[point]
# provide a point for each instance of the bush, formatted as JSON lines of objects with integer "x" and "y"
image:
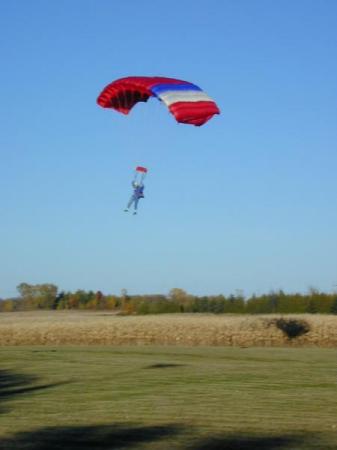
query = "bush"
{"x": 292, "y": 328}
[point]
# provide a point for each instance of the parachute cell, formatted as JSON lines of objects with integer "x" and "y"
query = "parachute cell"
{"x": 186, "y": 101}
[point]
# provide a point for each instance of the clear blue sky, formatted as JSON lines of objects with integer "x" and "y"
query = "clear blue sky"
{"x": 248, "y": 201}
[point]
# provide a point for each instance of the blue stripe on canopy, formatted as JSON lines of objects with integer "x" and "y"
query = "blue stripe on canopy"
{"x": 159, "y": 88}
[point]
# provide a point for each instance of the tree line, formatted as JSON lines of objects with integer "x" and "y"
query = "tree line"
{"x": 48, "y": 297}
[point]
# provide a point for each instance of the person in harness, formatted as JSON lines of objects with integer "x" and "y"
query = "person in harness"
{"x": 138, "y": 193}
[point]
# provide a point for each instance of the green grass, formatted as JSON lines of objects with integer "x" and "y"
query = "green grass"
{"x": 167, "y": 398}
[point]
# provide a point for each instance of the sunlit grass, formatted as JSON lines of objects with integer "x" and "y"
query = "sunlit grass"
{"x": 168, "y": 397}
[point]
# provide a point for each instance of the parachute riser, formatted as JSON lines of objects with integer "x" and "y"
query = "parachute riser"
{"x": 139, "y": 176}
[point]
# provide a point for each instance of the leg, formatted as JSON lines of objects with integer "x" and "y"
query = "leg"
{"x": 135, "y": 206}
{"x": 132, "y": 199}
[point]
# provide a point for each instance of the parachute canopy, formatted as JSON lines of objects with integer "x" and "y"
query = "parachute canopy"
{"x": 186, "y": 101}
{"x": 141, "y": 169}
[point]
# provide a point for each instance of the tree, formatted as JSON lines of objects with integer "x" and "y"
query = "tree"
{"x": 177, "y": 295}
{"x": 99, "y": 296}
{"x": 334, "y": 307}
{"x": 7, "y": 305}
{"x": 182, "y": 298}
{"x": 59, "y": 300}
{"x": 38, "y": 295}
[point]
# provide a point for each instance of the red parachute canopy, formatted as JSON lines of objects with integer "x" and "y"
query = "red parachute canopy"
{"x": 186, "y": 101}
{"x": 141, "y": 169}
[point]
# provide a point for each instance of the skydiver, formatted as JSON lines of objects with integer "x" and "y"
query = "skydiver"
{"x": 138, "y": 193}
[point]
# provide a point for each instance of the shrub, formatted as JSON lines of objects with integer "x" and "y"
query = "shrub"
{"x": 292, "y": 328}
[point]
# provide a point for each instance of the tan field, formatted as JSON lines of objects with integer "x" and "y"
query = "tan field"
{"x": 93, "y": 328}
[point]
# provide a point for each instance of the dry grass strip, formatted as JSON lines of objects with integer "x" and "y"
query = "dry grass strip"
{"x": 92, "y": 328}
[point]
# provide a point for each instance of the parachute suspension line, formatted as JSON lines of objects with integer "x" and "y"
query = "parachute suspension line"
{"x": 139, "y": 177}
{"x": 140, "y": 174}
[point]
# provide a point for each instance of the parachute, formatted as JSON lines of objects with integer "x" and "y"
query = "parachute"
{"x": 138, "y": 188}
{"x": 186, "y": 101}
{"x": 140, "y": 174}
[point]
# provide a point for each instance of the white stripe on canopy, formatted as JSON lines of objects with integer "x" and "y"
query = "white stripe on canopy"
{"x": 184, "y": 96}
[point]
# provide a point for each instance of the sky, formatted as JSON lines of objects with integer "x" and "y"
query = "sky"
{"x": 246, "y": 202}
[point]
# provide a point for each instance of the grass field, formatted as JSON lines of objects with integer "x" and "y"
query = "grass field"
{"x": 156, "y": 398}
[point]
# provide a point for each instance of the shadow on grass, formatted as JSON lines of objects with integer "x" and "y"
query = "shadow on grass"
{"x": 90, "y": 437}
{"x": 166, "y": 437}
{"x": 164, "y": 366}
{"x": 13, "y": 384}
{"x": 249, "y": 443}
